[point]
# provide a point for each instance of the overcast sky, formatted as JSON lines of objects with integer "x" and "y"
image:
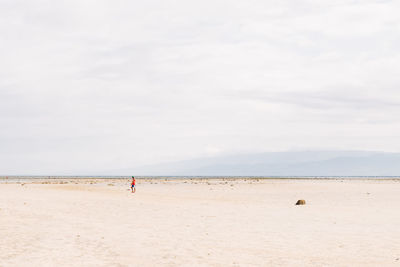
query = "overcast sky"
{"x": 100, "y": 85}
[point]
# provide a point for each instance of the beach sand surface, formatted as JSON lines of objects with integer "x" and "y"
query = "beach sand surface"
{"x": 194, "y": 222}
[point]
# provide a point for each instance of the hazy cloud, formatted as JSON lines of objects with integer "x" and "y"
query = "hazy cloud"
{"x": 92, "y": 85}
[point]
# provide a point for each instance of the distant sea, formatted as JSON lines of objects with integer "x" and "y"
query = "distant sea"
{"x": 17, "y": 178}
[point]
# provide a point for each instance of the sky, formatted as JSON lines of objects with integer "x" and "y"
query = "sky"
{"x": 103, "y": 85}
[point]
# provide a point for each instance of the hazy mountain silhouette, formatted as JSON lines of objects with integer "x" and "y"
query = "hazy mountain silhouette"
{"x": 304, "y": 163}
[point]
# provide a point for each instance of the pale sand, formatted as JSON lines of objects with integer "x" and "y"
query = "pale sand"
{"x": 201, "y": 223}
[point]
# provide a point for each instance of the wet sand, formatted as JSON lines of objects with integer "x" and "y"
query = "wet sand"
{"x": 248, "y": 222}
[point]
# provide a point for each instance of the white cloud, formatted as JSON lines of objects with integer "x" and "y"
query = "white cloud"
{"x": 93, "y": 85}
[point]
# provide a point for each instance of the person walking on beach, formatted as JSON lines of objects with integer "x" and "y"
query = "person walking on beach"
{"x": 133, "y": 185}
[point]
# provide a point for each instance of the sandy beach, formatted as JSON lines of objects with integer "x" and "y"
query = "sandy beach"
{"x": 247, "y": 222}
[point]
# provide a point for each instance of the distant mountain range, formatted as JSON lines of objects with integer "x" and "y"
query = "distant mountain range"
{"x": 304, "y": 163}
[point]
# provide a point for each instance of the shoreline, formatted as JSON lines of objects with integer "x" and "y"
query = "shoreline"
{"x": 176, "y": 179}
